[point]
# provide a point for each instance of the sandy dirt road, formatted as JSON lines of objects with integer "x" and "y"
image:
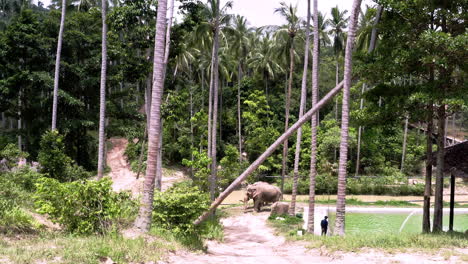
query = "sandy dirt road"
{"x": 124, "y": 179}
{"x": 249, "y": 240}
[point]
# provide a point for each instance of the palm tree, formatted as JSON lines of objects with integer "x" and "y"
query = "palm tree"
{"x": 338, "y": 23}
{"x": 159, "y": 164}
{"x": 102, "y": 107}
{"x": 313, "y": 147}
{"x": 262, "y": 59}
{"x": 370, "y": 48}
{"x": 57, "y": 66}
{"x": 301, "y": 113}
{"x": 291, "y": 29}
{"x": 324, "y": 38}
{"x": 143, "y": 221}
{"x": 217, "y": 17}
{"x": 340, "y": 201}
{"x": 241, "y": 45}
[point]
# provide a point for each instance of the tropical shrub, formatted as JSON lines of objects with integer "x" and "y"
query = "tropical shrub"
{"x": 83, "y": 207}
{"x": 177, "y": 208}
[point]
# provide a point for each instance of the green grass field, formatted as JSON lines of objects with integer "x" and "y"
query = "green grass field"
{"x": 357, "y": 223}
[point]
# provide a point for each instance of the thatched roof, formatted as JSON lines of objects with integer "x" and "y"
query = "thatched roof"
{"x": 456, "y": 160}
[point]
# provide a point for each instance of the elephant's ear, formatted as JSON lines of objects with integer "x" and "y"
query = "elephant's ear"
{"x": 255, "y": 193}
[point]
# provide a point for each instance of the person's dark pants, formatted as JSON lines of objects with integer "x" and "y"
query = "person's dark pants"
{"x": 324, "y": 231}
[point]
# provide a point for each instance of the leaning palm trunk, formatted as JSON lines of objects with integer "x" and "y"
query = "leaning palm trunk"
{"x": 313, "y": 146}
{"x": 267, "y": 153}
{"x": 439, "y": 187}
{"x": 102, "y": 107}
{"x": 57, "y": 66}
{"x": 340, "y": 201}
{"x": 286, "y": 121}
{"x": 292, "y": 207}
{"x": 143, "y": 221}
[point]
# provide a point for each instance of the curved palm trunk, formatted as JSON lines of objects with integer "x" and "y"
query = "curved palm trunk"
{"x": 268, "y": 152}
{"x": 313, "y": 147}
{"x": 292, "y": 207}
{"x": 102, "y": 107}
{"x": 286, "y": 121}
{"x": 143, "y": 221}
{"x": 57, "y": 66}
{"x": 340, "y": 201}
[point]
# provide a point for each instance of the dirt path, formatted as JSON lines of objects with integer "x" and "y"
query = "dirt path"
{"x": 247, "y": 239}
{"x": 121, "y": 174}
{"x": 124, "y": 178}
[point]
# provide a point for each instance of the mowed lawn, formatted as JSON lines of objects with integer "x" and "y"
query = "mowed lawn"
{"x": 359, "y": 223}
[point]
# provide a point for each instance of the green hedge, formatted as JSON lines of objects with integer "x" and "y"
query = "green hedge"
{"x": 372, "y": 186}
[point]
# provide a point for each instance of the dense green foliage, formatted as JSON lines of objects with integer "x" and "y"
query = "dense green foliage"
{"x": 54, "y": 162}
{"x": 82, "y": 207}
{"x": 177, "y": 208}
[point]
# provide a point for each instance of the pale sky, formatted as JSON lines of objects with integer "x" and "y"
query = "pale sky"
{"x": 261, "y": 12}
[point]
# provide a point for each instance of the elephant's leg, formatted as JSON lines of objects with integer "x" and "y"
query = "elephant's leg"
{"x": 257, "y": 204}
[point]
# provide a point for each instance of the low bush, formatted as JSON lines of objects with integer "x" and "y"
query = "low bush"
{"x": 177, "y": 208}
{"x": 15, "y": 219}
{"x": 82, "y": 207}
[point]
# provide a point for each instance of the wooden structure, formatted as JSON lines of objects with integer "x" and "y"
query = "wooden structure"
{"x": 456, "y": 164}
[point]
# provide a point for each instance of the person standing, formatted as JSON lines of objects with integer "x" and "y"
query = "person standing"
{"x": 324, "y": 225}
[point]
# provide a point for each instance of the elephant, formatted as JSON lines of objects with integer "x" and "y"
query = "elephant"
{"x": 265, "y": 193}
{"x": 250, "y": 192}
{"x": 279, "y": 208}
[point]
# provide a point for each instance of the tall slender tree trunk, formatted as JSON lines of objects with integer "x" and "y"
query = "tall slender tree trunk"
{"x": 439, "y": 187}
{"x": 159, "y": 165}
{"x": 284, "y": 163}
{"x": 426, "y": 224}
{"x": 102, "y": 106}
{"x": 403, "y": 149}
{"x": 143, "y": 221}
{"x": 313, "y": 147}
{"x": 20, "y": 119}
{"x": 292, "y": 207}
{"x": 215, "y": 108}
{"x": 337, "y": 79}
{"x": 358, "y": 155}
{"x": 239, "y": 124}
{"x": 371, "y": 48}
{"x": 268, "y": 152}
{"x": 340, "y": 201}
{"x": 57, "y": 66}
